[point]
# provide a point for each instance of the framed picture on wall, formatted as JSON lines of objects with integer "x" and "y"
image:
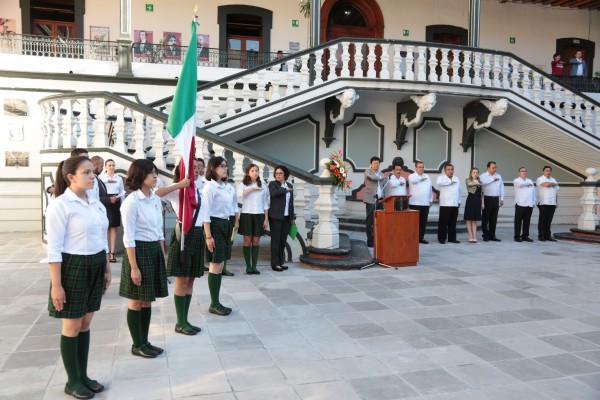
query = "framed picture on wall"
{"x": 16, "y": 159}
{"x": 143, "y": 43}
{"x": 203, "y": 43}
{"x": 8, "y": 26}
{"x": 16, "y": 132}
{"x": 15, "y": 108}
{"x": 172, "y": 41}
{"x": 100, "y": 33}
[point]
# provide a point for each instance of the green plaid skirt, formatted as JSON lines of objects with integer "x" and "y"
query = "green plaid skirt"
{"x": 82, "y": 278}
{"x": 252, "y": 224}
{"x": 220, "y": 229}
{"x": 151, "y": 263}
{"x": 193, "y": 263}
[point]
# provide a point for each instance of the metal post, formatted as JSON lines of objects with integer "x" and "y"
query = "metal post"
{"x": 474, "y": 19}
{"x": 315, "y": 23}
{"x": 125, "y": 40}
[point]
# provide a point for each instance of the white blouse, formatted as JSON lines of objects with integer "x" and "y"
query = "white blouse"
{"x": 255, "y": 202}
{"x": 233, "y": 205}
{"x": 75, "y": 227}
{"x": 114, "y": 185}
{"x": 173, "y": 197}
{"x": 142, "y": 218}
{"x": 218, "y": 200}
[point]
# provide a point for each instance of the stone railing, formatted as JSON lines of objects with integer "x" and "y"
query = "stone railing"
{"x": 31, "y": 45}
{"x": 448, "y": 67}
{"x": 588, "y": 220}
{"x": 106, "y": 122}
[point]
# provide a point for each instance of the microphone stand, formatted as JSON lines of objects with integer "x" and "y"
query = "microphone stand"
{"x": 375, "y": 261}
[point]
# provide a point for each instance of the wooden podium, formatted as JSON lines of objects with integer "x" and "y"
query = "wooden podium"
{"x": 396, "y": 233}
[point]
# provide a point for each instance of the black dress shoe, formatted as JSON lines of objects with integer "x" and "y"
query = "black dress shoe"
{"x": 518, "y": 240}
{"x": 277, "y": 268}
{"x": 255, "y": 272}
{"x": 526, "y": 239}
{"x": 284, "y": 267}
{"x": 227, "y": 273}
{"x": 486, "y": 239}
{"x": 82, "y": 393}
{"x": 157, "y": 350}
{"x": 185, "y": 330}
{"x": 442, "y": 241}
{"x": 551, "y": 239}
{"x": 541, "y": 239}
{"x": 495, "y": 239}
{"x": 423, "y": 241}
{"x": 454, "y": 241}
{"x": 195, "y": 328}
{"x": 94, "y": 386}
{"x": 219, "y": 311}
{"x": 143, "y": 351}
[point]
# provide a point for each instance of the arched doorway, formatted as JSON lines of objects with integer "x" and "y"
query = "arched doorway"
{"x": 352, "y": 18}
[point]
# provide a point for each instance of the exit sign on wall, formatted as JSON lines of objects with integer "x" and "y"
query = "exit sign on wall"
{"x": 150, "y": 7}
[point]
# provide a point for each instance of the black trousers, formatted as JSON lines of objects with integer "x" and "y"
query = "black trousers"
{"x": 545, "y": 220}
{"x": 279, "y": 231}
{"x": 447, "y": 223}
{"x": 423, "y": 214}
{"x": 489, "y": 216}
{"x": 522, "y": 218}
{"x": 370, "y": 219}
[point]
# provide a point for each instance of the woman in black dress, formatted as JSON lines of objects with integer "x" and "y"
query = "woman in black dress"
{"x": 474, "y": 204}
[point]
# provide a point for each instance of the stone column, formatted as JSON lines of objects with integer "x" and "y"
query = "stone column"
{"x": 326, "y": 233}
{"x": 125, "y": 41}
{"x": 588, "y": 220}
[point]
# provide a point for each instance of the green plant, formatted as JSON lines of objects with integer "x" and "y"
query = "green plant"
{"x": 305, "y": 8}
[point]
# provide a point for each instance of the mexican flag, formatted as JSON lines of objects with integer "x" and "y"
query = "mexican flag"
{"x": 181, "y": 125}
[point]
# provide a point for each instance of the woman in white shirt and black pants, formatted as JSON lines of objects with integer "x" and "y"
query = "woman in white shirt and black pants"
{"x": 79, "y": 271}
{"x": 189, "y": 268}
{"x": 143, "y": 275}
{"x": 217, "y": 229}
{"x": 254, "y": 218}
{"x": 116, "y": 194}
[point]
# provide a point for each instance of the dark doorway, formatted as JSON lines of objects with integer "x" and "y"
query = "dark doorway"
{"x": 567, "y": 47}
{"x": 447, "y": 34}
{"x": 53, "y": 18}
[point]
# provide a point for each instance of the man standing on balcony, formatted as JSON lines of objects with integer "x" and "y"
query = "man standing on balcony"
{"x": 547, "y": 188}
{"x": 578, "y": 69}
{"x": 373, "y": 192}
{"x": 421, "y": 197}
{"x": 493, "y": 199}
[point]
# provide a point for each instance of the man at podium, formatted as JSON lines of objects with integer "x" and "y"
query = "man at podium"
{"x": 395, "y": 184}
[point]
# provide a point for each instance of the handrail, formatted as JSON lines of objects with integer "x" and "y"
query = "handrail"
{"x": 203, "y": 133}
{"x": 327, "y": 45}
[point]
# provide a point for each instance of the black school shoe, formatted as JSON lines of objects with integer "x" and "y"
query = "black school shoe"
{"x": 94, "y": 386}
{"x": 185, "y": 330}
{"x": 227, "y": 273}
{"x": 223, "y": 311}
{"x": 154, "y": 348}
{"x": 277, "y": 268}
{"x": 83, "y": 393}
{"x": 144, "y": 351}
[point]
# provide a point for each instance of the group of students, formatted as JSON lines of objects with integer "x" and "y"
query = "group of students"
{"x": 485, "y": 196}
{"x": 79, "y": 257}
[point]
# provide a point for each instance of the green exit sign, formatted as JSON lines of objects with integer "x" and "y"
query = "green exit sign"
{"x": 150, "y": 7}
{"x": 512, "y": 40}
{"x": 405, "y": 32}
{"x": 295, "y": 23}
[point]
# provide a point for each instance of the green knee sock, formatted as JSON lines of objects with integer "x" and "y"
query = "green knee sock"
{"x": 214, "y": 285}
{"x": 188, "y": 302}
{"x": 69, "y": 347}
{"x": 180, "y": 309}
{"x": 254, "y": 257}
{"x": 247, "y": 250}
{"x": 224, "y": 267}
{"x": 146, "y": 316}
{"x": 134, "y": 319}
{"x": 83, "y": 350}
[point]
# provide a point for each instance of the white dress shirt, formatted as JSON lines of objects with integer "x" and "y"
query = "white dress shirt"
{"x": 142, "y": 218}
{"x": 233, "y": 205}
{"x": 421, "y": 193}
{"x": 218, "y": 200}
{"x": 200, "y": 182}
{"x": 449, "y": 191}
{"x": 173, "y": 197}
{"x": 546, "y": 195}
{"x": 395, "y": 186}
{"x": 255, "y": 202}
{"x": 95, "y": 192}
{"x": 491, "y": 186}
{"x": 75, "y": 227}
{"x": 114, "y": 185}
{"x": 524, "y": 192}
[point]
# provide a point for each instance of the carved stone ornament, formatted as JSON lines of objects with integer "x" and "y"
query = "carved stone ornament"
{"x": 410, "y": 113}
{"x": 482, "y": 112}
{"x": 335, "y": 107}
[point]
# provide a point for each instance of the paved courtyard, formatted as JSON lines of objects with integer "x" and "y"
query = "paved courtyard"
{"x": 471, "y": 322}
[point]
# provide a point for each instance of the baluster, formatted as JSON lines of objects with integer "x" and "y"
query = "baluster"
{"x": 385, "y": 62}
{"x": 100, "y": 134}
{"x": 260, "y": 88}
{"x": 46, "y": 125}
{"x": 486, "y": 70}
{"x": 536, "y": 87}
{"x": 455, "y": 66}
{"x": 547, "y": 94}
{"x": 275, "y": 95}
{"x": 578, "y": 111}
{"x": 332, "y": 62}
{"x": 86, "y": 122}
{"x": 597, "y": 121}
{"x": 515, "y": 75}
{"x": 527, "y": 84}
{"x": 174, "y": 156}
{"x": 587, "y": 118}
{"x": 117, "y": 110}
{"x": 158, "y": 144}
{"x": 476, "y": 68}
{"x": 304, "y": 72}
{"x": 138, "y": 134}
{"x": 215, "y": 104}
{"x": 66, "y": 127}
{"x": 445, "y": 63}
{"x": 421, "y": 62}
{"x": 466, "y": 66}
{"x": 371, "y": 57}
{"x": 219, "y": 150}
{"x": 345, "y": 60}
{"x": 246, "y": 93}
{"x": 77, "y": 140}
{"x": 200, "y": 111}
{"x": 505, "y": 72}
{"x": 496, "y": 70}
{"x": 397, "y": 62}
{"x": 568, "y": 106}
{"x": 230, "y": 98}
{"x": 557, "y": 99}
{"x": 433, "y": 63}
{"x": 206, "y": 155}
{"x": 326, "y": 233}
{"x": 299, "y": 206}
{"x": 238, "y": 169}
{"x": 410, "y": 59}
{"x": 318, "y": 67}
{"x": 290, "y": 78}
{"x": 199, "y": 151}
{"x": 358, "y": 60}
{"x": 128, "y": 120}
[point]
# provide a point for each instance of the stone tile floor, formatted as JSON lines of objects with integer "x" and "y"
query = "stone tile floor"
{"x": 487, "y": 321}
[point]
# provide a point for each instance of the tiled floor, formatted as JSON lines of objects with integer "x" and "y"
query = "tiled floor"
{"x": 472, "y": 322}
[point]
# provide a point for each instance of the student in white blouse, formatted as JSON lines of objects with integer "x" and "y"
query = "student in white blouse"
{"x": 116, "y": 194}
{"x": 217, "y": 228}
{"x": 449, "y": 185}
{"x": 254, "y": 219}
{"x": 395, "y": 184}
{"x": 189, "y": 268}
{"x": 547, "y": 188}
{"x": 143, "y": 275}
{"x": 524, "y": 202}
{"x": 234, "y": 221}
{"x": 79, "y": 271}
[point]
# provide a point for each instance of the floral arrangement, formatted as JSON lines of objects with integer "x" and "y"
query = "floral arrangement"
{"x": 338, "y": 170}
